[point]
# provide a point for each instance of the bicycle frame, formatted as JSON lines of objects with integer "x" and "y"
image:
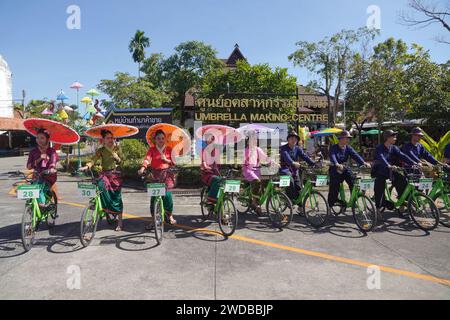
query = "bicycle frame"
{"x": 307, "y": 188}
{"x": 439, "y": 186}
{"x": 99, "y": 213}
{"x": 409, "y": 191}
{"x": 220, "y": 200}
{"x": 37, "y": 214}
{"x": 268, "y": 191}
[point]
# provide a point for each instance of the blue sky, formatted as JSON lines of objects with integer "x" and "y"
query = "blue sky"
{"x": 45, "y": 56}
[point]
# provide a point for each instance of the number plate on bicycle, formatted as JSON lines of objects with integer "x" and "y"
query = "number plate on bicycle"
{"x": 26, "y": 192}
{"x": 86, "y": 190}
{"x": 366, "y": 184}
{"x": 285, "y": 181}
{"x": 232, "y": 186}
{"x": 156, "y": 189}
{"x": 321, "y": 181}
{"x": 425, "y": 184}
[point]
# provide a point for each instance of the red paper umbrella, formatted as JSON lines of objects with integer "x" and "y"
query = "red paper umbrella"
{"x": 58, "y": 132}
{"x": 118, "y": 131}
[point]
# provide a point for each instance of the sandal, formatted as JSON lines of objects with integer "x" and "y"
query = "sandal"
{"x": 118, "y": 229}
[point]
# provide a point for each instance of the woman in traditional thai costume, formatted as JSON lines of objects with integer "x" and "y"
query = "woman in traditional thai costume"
{"x": 43, "y": 160}
{"x": 110, "y": 184}
{"x": 159, "y": 159}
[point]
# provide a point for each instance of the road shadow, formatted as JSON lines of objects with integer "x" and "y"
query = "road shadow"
{"x": 251, "y": 221}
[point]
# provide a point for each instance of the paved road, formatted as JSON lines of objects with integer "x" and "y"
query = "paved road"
{"x": 195, "y": 262}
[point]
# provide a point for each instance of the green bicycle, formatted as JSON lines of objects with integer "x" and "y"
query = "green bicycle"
{"x": 311, "y": 203}
{"x": 278, "y": 205}
{"x": 421, "y": 208}
{"x": 440, "y": 194}
{"x": 224, "y": 209}
{"x": 34, "y": 215}
{"x": 363, "y": 208}
{"x": 157, "y": 191}
{"x": 94, "y": 211}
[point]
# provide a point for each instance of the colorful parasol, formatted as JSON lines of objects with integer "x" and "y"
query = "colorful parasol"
{"x": 327, "y": 132}
{"x": 59, "y": 133}
{"x": 223, "y": 134}
{"x": 177, "y": 139}
{"x": 118, "y": 131}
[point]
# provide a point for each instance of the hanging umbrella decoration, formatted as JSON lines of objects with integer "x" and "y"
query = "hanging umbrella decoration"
{"x": 77, "y": 86}
{"x": 61, "y": 114}
{"x": 93, "y": 93}
{"x": 89, "y": 108}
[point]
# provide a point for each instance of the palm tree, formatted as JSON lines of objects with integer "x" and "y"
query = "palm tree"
{"x": 137, "y": 47}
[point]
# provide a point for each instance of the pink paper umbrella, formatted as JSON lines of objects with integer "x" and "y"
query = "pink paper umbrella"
{"x": 222, "y": 134}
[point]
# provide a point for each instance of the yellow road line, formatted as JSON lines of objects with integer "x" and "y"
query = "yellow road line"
{"x": 298, "y": 250}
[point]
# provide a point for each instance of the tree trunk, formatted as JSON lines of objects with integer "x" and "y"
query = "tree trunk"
{"x": 182, "y": 115}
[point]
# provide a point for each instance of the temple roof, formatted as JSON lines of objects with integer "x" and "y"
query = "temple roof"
{"x": 235, "y": 56}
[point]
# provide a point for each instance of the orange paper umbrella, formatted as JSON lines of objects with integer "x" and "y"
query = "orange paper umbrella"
{"x": 58, "y": 132}
{"x": 177, "y": 139}
{"x": 118, "y": 131}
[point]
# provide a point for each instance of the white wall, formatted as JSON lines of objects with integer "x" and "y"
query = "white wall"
{"x": 6, "y": 103}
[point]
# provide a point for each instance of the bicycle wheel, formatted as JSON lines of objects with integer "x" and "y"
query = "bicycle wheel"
{"x": 423, "y": 211}
{"x": 244, "y": 201}
{"x": 228, "y": 217}
{"x": 158, "y": 223}
{"x": 88, "y": 225}
{"x": 206, "y": 209}
{"x": 279, "y": 210}
{"x": 28, "y": 231}
{"x": 444, "y": 209}
{"x": 316, "y": 209}
{"x": 364, "y": 213}
{"x": 52, "y": 210}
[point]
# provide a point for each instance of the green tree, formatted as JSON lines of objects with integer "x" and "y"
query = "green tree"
{"x": 137, "y": 47}
{"x": 127, "y": 91}
{"x": 329, "y": 60}
{"x": 398, "y": 83}
{"x": 182, "y": 71}
{"x": 251, "y": 79}
{"x": 246, "y": 78}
